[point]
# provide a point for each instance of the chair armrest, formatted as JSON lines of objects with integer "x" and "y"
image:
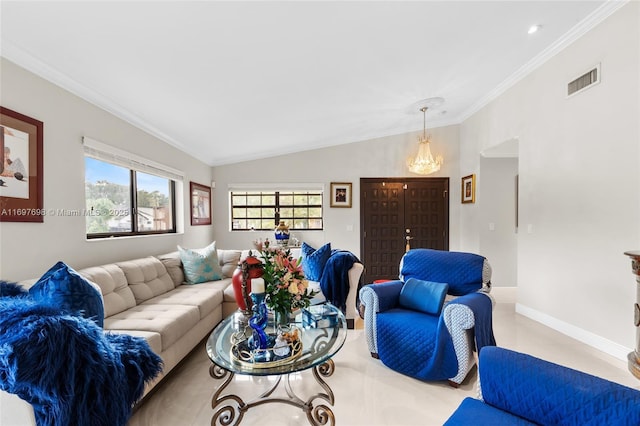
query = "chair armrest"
{"x": 377, "y": 298}
{"x": 460, "y": 320}
{"x": 384, "y": 296}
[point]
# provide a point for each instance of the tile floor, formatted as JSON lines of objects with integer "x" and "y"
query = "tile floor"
{"x": 368, "y": 393}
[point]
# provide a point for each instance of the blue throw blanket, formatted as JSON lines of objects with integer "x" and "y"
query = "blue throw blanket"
{"x": 480, "y": 304}
{"x": 334, "y": 282}
{"x": 67, "y": 367}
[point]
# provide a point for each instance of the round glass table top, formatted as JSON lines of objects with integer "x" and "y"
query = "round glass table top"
{"x": 322, "y": 330}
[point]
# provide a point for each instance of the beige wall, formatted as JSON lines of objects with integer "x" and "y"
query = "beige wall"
{"x": 29, "y": 249}
{"x": 383, "y": 157}
{"x": 498, "y": 238}
{"x": 579, "y": 173}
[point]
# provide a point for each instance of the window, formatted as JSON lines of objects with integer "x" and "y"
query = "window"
{"x": 262, "y": 210}
{"x": 123, "y": 197}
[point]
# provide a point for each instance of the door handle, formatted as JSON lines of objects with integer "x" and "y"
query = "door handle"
{"x": 407, "y": 246}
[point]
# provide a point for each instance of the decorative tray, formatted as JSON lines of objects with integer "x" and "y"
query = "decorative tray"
{"x": 272, "y": 356}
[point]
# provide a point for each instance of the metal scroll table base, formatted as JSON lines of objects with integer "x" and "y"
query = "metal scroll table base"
{"x": 232, "y": 408}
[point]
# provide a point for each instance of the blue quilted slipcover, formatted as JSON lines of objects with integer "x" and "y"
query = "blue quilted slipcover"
{"x": 534, "y": 391}
{"x": 462, "y": 271}
{"x": 416, "y": 344}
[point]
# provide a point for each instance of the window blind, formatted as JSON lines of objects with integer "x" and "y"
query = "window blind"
{"x": 119, "y": 157}
{"x": 289, "y": 186}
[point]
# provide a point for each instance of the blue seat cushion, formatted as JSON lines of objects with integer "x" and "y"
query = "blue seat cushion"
{"x": 415, "y": 344}
{"x": 423, "y": 296}
{"x": 473, "y": 412}
{"x": 63, "y": 288}
{"x": 313, "y": 261}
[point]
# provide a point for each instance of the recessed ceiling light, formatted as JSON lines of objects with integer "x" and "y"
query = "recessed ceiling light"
{"x": 534, "y": 28}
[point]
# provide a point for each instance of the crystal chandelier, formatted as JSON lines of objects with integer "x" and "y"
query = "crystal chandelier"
{"x": 423, "y": 163}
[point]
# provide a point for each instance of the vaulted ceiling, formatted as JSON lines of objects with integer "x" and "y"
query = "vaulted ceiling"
{"x": 233, "y": 81}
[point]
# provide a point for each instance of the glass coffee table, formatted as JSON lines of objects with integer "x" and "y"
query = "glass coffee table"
{"x": 319, "y": 344}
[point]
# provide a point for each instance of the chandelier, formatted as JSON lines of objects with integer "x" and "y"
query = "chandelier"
{"x": 423, "y": 163}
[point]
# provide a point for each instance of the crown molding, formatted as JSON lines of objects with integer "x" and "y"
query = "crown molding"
{"x": 580, "y": 29}
{"x": 22, "y": 58}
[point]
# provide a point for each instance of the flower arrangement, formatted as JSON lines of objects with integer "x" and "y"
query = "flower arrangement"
{"x": 286, "y": 286}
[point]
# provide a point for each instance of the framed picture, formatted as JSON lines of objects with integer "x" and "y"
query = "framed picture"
{"x": 469, "y": 189}
{"x": 340, "y": 194}
{"x": 21, "y": 162}
{"x": 200, "y": 204}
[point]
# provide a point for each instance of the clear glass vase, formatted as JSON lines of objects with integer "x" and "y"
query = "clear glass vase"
{"x": 281, "y": 318}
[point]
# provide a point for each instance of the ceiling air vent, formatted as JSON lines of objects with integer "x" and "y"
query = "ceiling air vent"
{"x": 585, "y": 81}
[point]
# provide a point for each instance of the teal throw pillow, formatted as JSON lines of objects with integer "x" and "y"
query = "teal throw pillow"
{"x": 423, "y": 296}
{"x": 313, "y": 260}
{"x": 63, "y": 288}
{"x": 201, "y": 265}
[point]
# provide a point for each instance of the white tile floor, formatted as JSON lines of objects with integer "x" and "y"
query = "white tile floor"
{"x": 368, "y": 393}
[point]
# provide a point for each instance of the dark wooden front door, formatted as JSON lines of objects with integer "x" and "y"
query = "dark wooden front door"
{"x": 395, "y": 212}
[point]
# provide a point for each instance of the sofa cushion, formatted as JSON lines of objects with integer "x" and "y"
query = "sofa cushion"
{"x": 200, "y": 265}
{"x": 423, "y": 296}
{"x": 113, "y": 284}
{"x": 206, "y": 296}
{"x": 153, "y": 339}
{"x": 170, "y": 321}
{"x": 313, "y": 260}
{"x": 147, "y": 277}
{"x": 173, "y": 264}
{"x": 62, "y": 287}
{"x": 229, "y": 260}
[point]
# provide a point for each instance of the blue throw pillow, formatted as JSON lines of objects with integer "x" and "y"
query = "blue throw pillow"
{"x": 423, "y": 296}
{"x": 201, "y": 265}
{"x": 63, "y": 288}
{"x": 313, "y": 260}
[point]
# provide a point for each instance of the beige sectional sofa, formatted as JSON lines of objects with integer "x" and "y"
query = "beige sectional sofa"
{"x": 146, "y": 297}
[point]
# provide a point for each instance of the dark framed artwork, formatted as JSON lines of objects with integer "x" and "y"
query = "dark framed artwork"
{"x": 200, "y": 204}
{"x": 21, "y": 179}
{"x": 340, "y": 194}
{"x": 468, "y": 189}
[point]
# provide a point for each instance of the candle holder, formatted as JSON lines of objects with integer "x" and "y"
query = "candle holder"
{"x": 258, "y": 322}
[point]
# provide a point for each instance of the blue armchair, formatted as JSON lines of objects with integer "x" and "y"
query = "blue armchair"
{"x": 412, "y": 329}
{"x": 519, "y": 389}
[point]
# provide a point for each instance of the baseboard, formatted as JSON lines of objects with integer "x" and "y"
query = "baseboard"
{"x": 598, "y": 342}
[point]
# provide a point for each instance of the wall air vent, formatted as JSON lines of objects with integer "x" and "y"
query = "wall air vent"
{"x": 585, "y": 81}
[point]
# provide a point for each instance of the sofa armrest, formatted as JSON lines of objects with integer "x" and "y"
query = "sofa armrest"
{"x": 15, "y": 411}
{"x": 377, "y": 298}
{"x": 354, "y": 282}
{"x": 547, "y": 393}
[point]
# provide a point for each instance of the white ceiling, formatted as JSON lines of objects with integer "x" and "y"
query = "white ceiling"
{"x": 233, "y": 81}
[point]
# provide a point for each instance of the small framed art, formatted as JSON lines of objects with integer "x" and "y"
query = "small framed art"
{"x": 200, "y": 204}
{"x": 468, "y": 189}
{"x": 340, "y": 194}
{"x": 21, "y": 181}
